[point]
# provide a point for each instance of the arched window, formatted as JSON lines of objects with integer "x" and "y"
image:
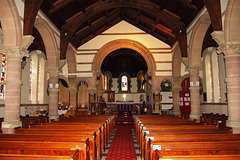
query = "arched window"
{"x": 107, "y": 81}
{"x": 124, "y": 82}
{"x": 212, "y": 76}
{"x": 37, "y": 77}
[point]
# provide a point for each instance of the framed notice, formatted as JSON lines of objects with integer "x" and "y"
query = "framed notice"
{"x": 111, "y": 96}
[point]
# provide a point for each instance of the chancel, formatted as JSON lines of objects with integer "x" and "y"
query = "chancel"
{"x": 119, "y": 79}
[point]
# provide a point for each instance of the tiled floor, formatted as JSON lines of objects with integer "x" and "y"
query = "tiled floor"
{"x": 136, "y": 146}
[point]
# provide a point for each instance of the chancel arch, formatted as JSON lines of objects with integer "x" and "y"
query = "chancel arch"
{"x": 123, "y": 43}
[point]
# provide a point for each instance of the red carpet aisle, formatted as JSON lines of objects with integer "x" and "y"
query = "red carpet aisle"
{"x": 122, "y": 147}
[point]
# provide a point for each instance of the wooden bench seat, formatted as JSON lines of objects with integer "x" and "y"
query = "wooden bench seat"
{"x": 178, "y": 137}
{"x": 46, "y": 148}
{"x": 55, "y": 138}
{"x": 75, "y": 156}
{"x": 195, "y": 148}
{"x": 197, "y": 157}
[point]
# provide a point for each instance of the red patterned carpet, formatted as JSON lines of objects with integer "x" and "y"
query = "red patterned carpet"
{"x": 122, "y": 147}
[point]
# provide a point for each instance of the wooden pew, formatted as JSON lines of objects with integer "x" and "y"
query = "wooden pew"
{"x": 54, "y": 138}
{"x": 46, "y": 148}
{"x": 195, "y": 148}
{"x": 70, "y": 131}
{"x": 187, "y": 138}
{"x": 167, "y": 129}
{"x": 197, "y": 157}
{"x": 74, "y": 156}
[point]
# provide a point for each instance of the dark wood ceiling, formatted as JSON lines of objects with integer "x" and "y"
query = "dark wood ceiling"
{"x": 81, "y": 20}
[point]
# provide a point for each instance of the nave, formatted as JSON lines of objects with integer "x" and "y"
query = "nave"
{"x": 113, "y": 137}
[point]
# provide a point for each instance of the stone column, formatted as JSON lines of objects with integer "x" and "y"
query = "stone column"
{"x": 176, "y": 109}
{"x": 73, "y": 97}
{"x": 13, "y": 84}
{"x": 175, "y": 91}
{"x": 73, "y": 91}
{"x": 195, "y": 91}
{"x": 53, "y": 92}
{"x": 231, "y": 51}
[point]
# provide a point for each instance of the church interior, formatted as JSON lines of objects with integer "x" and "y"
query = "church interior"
{"x": 120, "y": 79}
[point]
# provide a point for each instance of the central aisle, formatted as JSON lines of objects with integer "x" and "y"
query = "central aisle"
{"x": 122, "y": 147}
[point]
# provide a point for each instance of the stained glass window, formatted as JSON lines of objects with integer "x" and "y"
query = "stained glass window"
{"x": 106, "y": 82}
{"x": 30, "y": 78}
{"x": 124, "y": 83}
{"x": 3, "y": 67}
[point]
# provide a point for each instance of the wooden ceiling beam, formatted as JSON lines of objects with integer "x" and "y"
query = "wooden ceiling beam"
{"x": 214, "y": 10}
{"x": 164, "y": 29}
{"x": 73, "y": 23}
{"x": 188, "y": 4}
{"x": 59, "y": 5}
{"x": 147, "y": 30}
{"x": 91, "y": 27}
{"x": 30, "y": 12}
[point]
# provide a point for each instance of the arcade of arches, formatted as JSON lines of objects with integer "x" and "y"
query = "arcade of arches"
{"x": 122, "y": 64}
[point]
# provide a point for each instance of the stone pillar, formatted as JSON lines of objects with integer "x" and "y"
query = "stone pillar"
{"x": 176, "y": 109}
{"x": 175, "y": 91}
{"x": 73, "y": 91}
{"x": 231, "y": 51}
{"x": 194, "y": 91}
{"x": 73, "y": 97}
{"x": 53, "y": 92}
{"x": 13, "y": 84}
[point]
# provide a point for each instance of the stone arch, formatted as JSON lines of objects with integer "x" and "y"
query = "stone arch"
{"x": 232, "y": 21}
{"x": 10, "y": 22}
{"x": 49, "y": 42}
{"x": 196, "y": 40}
{"x": 123, "y": 43}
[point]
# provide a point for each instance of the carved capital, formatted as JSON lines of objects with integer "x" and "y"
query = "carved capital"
{"x": 229, "y": 48}
{"x": 218, "y": 36}
{"x": 92, "y": 91}
{"x": 194, "y": 69}
{"x": 53, "y": 71}
{"x": 74, "y": 91}
{"x": 14, "y": 52}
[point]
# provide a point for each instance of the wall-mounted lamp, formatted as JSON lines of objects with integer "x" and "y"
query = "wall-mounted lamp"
{"x": 191, "y": 84}
{"x": 50, "y": 85}
{"x": 57, "y": 85}
{"x": 197, "y": 83}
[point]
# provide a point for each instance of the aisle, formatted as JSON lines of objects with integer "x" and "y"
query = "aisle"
{"x": 122, "y": 146}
